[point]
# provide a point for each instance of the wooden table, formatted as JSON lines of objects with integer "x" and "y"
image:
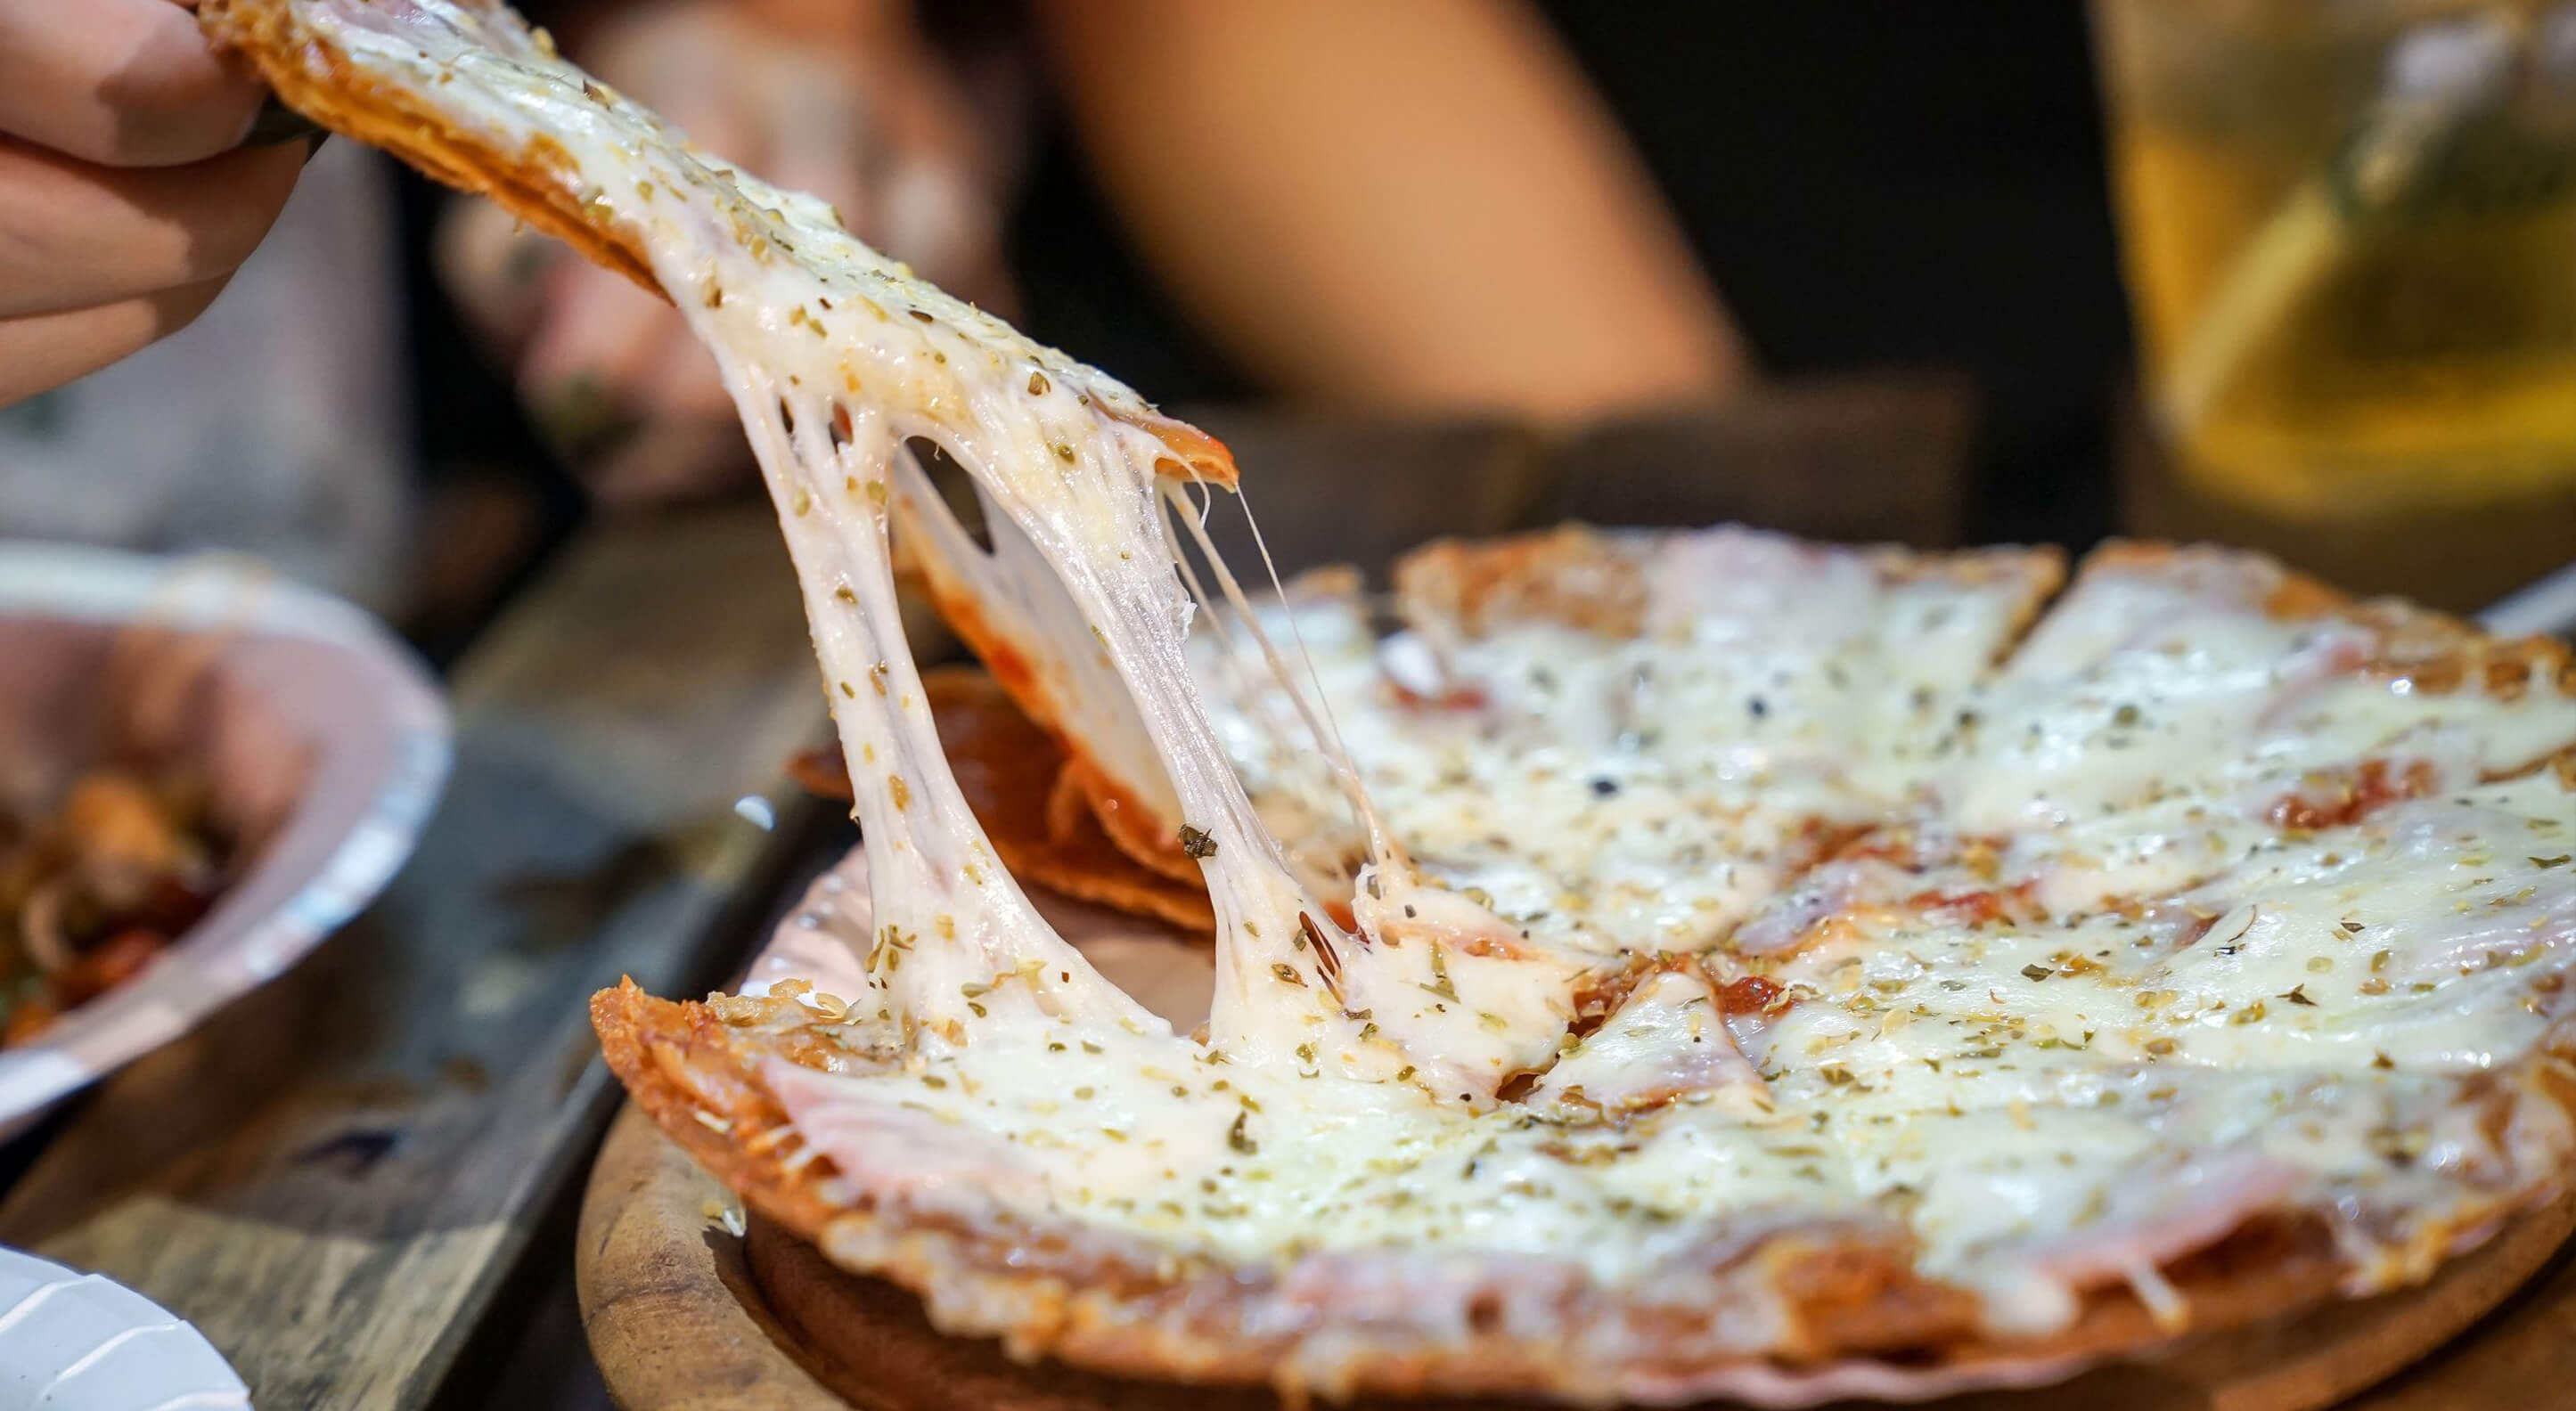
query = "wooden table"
{"x": 358, "y": 1180}
{"x": 336, "y": 1178}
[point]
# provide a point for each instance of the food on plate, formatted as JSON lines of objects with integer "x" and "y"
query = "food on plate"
{"x": 95, "y": 883}
{"x": 2258, "y": 867}
{"x": 1670, "y": 965}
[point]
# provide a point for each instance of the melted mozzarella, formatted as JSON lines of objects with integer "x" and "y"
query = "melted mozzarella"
{"x": 1635, "y": 793}
{"x": 2067, "y": 1049}
{"x": 2156, "y": 684}
{"x": 836, "y": 358}
{"x": 1668, "y": 1043}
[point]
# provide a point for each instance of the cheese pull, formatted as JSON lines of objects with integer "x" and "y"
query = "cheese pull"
{"x": 841, "y": 363}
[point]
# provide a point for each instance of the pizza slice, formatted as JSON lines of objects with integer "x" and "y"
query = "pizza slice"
{"x": 2395, "y": 982}
{"x": 1679, "y": 719}
{"x": 1016, "y": 780}
{"x": 2180, "y": 709}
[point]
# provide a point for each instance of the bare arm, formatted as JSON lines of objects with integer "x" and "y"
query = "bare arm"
{"x": 1413, "y": 206}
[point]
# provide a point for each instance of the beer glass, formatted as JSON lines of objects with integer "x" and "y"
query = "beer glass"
{"x": 2349, "y": 234}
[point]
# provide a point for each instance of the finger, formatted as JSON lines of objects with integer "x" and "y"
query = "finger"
{"x": 987, "y": 284}
{"x": 684, "y": 439}
{"x": 119, "y": 82}
{"x": 667, "y": 428}
{"x": 689, "y": 442}
{"x": 73, "y": 235}
{"x": 47, "y": 350}
{"x": 693, "y": 65}
{"x": 589, "y": 369}
{"x": 929, "y": 199}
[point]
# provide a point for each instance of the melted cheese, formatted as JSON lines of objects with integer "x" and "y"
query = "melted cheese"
{"x": 2062, "y": 1053}
{"x": 2096, "y": 1010}
{"x": 2147, "y": 684}
{"x": 1641, "y": 793}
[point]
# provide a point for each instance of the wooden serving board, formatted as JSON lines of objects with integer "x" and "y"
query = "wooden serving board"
{"x": 686, "y": 1309}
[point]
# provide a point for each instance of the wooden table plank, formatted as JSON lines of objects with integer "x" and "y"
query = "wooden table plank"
{"x": 332, "y": 1177}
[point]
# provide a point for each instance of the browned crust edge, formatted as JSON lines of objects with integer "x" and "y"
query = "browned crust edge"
{"x": 317, "y": 81}
{"x": 1027, "y": 795}
{"x": 1589, "y": 578}
{"x": 1139, "y": 831}
{"x": 1086, "y": 1300}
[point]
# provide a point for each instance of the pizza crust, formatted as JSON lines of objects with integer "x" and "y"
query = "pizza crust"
{"x": 1858, "y": 1305}
{"x": 1865, "y": 1324}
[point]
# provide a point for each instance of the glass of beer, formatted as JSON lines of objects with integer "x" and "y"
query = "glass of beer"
{"x": 2349, "y": 230}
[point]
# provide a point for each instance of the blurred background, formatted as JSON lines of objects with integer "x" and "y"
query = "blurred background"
{"x": 1847, "y": 268}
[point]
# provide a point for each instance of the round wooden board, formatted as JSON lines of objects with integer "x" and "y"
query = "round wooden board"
{"x": 684, "y": 1314}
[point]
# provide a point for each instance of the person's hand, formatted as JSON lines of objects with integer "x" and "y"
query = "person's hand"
{"x": 837, "y": 97}
{"x": 127, "y": 193}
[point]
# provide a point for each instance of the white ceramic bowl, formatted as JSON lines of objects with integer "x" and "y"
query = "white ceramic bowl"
{"x": 79, "y": 1342}
{"x": 323, "y": 738}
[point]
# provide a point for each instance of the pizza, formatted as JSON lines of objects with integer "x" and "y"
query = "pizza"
{"x": 1646, "y": 965}
{"x": 1019, "y": 784}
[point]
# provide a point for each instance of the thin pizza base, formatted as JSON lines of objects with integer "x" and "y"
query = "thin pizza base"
{"x": 1869, "y": 1326}
{"x": 866, "y": 1340}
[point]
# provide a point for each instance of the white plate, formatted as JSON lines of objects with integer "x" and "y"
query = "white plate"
{"x": 80, "y": 1342}
{"x": 324, "y": 738}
